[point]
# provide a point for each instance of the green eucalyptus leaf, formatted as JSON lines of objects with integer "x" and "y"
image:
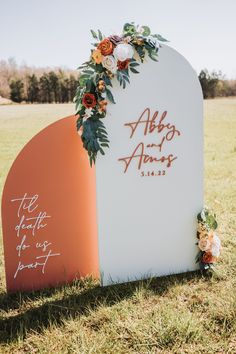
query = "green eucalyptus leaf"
{"x": 129, "y": 29}
{"x": 105, "y": 145}
{"x": 99, "y": 68}
{"x": 94, "y": 34}
{"x": 145, "y": 31}
{"x": 160, "y": 38}
{"x": 78, "y": 105}
{"x": 107, "y": 80}
{"x": 211, "y": 222}
{"x": 102, "y": 151}
{"x": 134, "y": 71}
{"x": 100, "y": 36}
{"x": 140, "y": 52}
{"x": 110, "y": 96}
{"x": 133, "y": 64}
{"x": 153, "y": 57}
{"x": 79, "y": 123}
{"x": 89, "y": 72}
{"x": 126, "y": 78}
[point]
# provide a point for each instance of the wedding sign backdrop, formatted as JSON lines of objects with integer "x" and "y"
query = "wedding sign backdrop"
{"x": 150, "y": 182}
{"x": 133, "y": 214}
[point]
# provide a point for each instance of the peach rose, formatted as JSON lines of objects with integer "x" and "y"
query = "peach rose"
{"x": 204, "y": 244}
{"x": 204, "y": 234}
{"x": 109, "y": 63}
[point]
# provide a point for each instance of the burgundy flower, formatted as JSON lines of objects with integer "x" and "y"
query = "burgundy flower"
{"x": 89, "y": 100}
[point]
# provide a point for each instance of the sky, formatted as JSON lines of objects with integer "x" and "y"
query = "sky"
{"x": 57, "y": 32}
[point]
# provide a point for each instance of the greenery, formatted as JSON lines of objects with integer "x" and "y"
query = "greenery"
{"x": 16, "y": 87}
{"x": 36, "y": 85}
{"x": 208, "y": 242}
{"x": 215, "y": 85}
{"x": 40, "y": 87}
{"x": 49, "y": 88}
{"x": 208, "y": 219}
{"x": 177, "y": 314}
{"x": 97, "y": 74}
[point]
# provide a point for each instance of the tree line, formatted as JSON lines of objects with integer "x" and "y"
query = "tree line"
{"x": 214, "y": 84}
{"x": 37, "y": 85}
{"x": 51, "y": 87}
{"x": 58, "y": 85}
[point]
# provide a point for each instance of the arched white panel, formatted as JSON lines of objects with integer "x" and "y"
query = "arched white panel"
{"x": 150, "y": 182}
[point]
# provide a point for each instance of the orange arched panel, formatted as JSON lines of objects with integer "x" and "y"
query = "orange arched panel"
{"x": 49, "y": 211}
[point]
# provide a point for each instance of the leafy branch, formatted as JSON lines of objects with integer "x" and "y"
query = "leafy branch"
{"x": 95, "y": 78}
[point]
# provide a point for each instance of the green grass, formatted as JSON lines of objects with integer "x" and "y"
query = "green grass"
{"x": 177, "y": 314}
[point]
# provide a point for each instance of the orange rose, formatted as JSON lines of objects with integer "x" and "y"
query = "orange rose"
{"x": 208, "y": 258}
{"x": 106, "y": 47}
{"x": 97, "y": 56}
{"x": 122, "y": 65}
{"x": 89, "y": 100}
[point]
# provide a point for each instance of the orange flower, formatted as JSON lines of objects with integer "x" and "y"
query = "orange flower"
{"x": 89, "y": 100}
{"x": 102, "y": 105}
{"x": 122, "y": 65}
{"x": 106, "y": 47}
{"x": 101, "y": 85}
{"x": 97, "y": 56}
{"x": 208, "y": 258}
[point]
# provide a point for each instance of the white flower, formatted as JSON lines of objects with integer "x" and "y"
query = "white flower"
{"x": 216, "y": 244}
{"x": 204, "y": 244}
{"x": 216, "y": 240}
{"x": 109, "y": 62}
{"x": 88, "y": 112}
{"x": 123, "y": 51}
{"x": 153, "y": 42}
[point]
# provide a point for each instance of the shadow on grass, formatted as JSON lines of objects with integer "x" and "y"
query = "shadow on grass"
{"x": 24, "y": 312}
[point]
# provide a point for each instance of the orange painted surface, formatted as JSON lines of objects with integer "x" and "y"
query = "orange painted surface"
{"x": 49, "y": 211}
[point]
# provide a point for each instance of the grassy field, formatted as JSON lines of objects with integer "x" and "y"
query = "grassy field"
{"x": 175, "y": 314}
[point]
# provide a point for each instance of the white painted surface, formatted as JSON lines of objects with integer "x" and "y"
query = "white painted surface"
{"x": 147, "y": 225}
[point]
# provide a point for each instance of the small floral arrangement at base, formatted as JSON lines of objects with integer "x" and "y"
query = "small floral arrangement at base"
{"x": 208, "y": 241}
{"x": 114, "y": 56}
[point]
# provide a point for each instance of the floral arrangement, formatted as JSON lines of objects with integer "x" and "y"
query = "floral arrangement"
{"x": 208, "y": 242}
{"x": 112, "y": 57}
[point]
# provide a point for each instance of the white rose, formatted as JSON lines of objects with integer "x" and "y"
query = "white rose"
{"x": 204, "y": 244}
{"x": 216, "y": 240}
{"x": 88, "y": 112}
{"x": 216, "y": 244}
{"x": 109, "y": 62}
{"x": 123, "y": 51}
